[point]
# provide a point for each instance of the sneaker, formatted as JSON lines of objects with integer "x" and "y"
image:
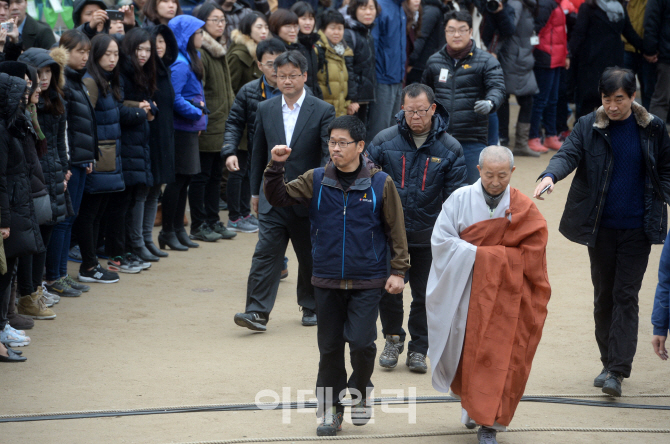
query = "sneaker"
{"x": 308, "y": 317}
{"x": 123, "y": 265}
{"x": 331, "y": 423}
{"x": 564, "y": 135}
{"x": 392, "y": 349}
{"x": 552, "y": 143}
{"x": 76, "y": 285}
{"x": 48, "y": 301}
{"x": 11, "y": 339}
{"x": 223, "y": 205}
{"x": 600, "y": 379}
{"x": 536, "y": 145}
{"x": 416, "y": 362}
{"x": 75, "y": 254}
{"x": 252, "y": 219}
{"x": 33, "y": 306}
{"x": 17, "y": 332}
{"x": 242, "y": 225}
{"x": 221, "y": 229}
{"x": 49, "y": 294}
{"x": 98, "y": 275}
{"x": 253, "y": 321}
{"x": 486, "y": 435}
{"x": 136, "y": 260}
{"x": 284, "y": 271}
{"x": 61, "y": 288}
{"x": 612, "y": 385}
{"x": 361, "y": 412}
{"x": 205, "y": 234}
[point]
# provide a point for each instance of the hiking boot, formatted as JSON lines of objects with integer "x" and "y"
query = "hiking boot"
{"x": 123, "y": 265}
{"x": 361, "y": 412}
{"x": 205, "y": 234}
{"x": 392, "y": 349}
{"x": 76, "y": 285}
{"x": 331, "y": 423}
{"x": 14, "y": 319}
{"x": 98, "y": 275}
{"x": 308, "y": 317}
{"x": 11, "y": 337}
{"x": 33, "y": 306}
{"x": 221, "y": 229}
{"x": 74, "y": 255}
{"x": 486, "y": 435}
{"x": 536, "y": 145}
{"x": 253, "y": 321}
{"x": 552, "y": 143}
{"x": 600, "y": 379}
{"x": 136, "y": 260}
{"x": 612, "y": 385}
{"x": 62, "y": 289}
{"x": 416, "y": 362}
{"x": 521, "y": 141}
{"x": 242, "y": 225}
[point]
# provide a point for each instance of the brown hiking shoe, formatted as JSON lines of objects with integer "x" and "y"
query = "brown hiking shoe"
{"x": 17, "y": 321}
{"x": 34, "y": 307}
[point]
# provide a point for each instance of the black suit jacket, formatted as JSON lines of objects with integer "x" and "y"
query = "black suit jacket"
{"x": 309, "y": 143}
{"x": 37, "y": 34}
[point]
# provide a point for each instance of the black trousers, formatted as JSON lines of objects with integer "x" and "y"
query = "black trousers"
{"x": 30, "y": 269}
{"x": 345, "y": 316}
{"x": 618, "y": 262}
{"x": 525, "y": 112}
{"x": 238, "y": 191}
{"x": 391, "y": 308}
{"x": 118, "y": 208}
{"x": 174, "y": 203}
{"x": 203, "y": 194}
{"x": 87, "y": 227}
{"x": 5, "y": 291}
{"x": 274, "y": 231}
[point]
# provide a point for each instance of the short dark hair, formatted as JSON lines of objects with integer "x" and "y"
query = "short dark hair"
{"x": 247, "y": 23}
{"x": 281, "y": 17}
{"x": 355, "y": 4}
{"x": 352, "y": 124}
{"x": 269, "y": 46}
{"x": 294, "y": 58}
{"x": 330, "y": 16}
{"x": 614, "y": 78}
{"x": 416, "y": 89}
{"x": 459, "y": 16}
{"x": 73, "y": 38}
{"x": 302, "y": 9}
{"x": 150, "y": 10}
{"x": 204, "y": 10}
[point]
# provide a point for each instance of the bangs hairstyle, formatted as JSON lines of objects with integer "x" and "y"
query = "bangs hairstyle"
{"x": 248, "y": 22}
{"x": 615, "y": 78}
{"x": 459, "y": 16}
{"x": 99, "y": 45}
{"x": 73, "y": 38}
{"x": 269, "y": 46}
{"x": 355, "y": 4}
{"x": 302, "y": 9}
{"x": 281, "y": 17}
{"x": 352, "y": 124}
{"x": 53, "y": 97}
{"x": 150, "y": 10}
{"x": 204, "y": 10}
{"x": 144, "y": 76}
{"x": 330, "y": 16}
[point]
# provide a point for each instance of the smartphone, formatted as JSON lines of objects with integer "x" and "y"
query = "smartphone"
{"x": 113, "y": 14}
{"x": 9, "y": 26}
{"x": 544, "y": 190}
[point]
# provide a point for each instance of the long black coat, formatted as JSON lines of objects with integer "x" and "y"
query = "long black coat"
{"x": 306, "y": 46}
{"x": 82, "y": 133}
{"x": 431, "y": 38}
{"x": 359, "y": 38}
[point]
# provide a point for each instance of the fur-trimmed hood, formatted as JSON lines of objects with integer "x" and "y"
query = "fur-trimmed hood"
{"x": 214, "y": 47}
{"x": 242, "y": 39}
{"x": 60, "y": 56}
{"x": 642, "y": 117}
{"x": 40, "y": 58}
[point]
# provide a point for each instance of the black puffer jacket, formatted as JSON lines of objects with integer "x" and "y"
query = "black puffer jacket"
{"x": 431, "y": 38}
{"x": 588, "y": 150}
{"x": 425, "y": 177}
{"x": 359, "y": 38}
{"x": 16, "y": 204}
{"x": 306, "y": 46}
{"x": 478, "y": 76}
{"x": 82, "y": 138}
{"x": 657, "y": 29}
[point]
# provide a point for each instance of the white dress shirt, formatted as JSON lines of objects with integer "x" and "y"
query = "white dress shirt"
{"x": 291, "y": 116}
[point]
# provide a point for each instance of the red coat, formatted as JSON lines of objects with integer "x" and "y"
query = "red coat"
{"x": 553, "y": 47}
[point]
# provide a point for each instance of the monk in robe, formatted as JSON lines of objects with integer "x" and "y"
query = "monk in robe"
{"x": 487, "y": 295}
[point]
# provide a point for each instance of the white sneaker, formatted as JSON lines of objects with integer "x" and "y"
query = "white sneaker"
{"x": 49, "y": 295}
{"x": 12, "y": 338}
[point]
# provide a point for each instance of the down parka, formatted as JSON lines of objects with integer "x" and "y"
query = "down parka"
{"x": 550, "y": 28}
{"x": 16, "y": 203}
{"x": 307, "y": 47}
{"x": 657, "y": 29}
{"x": 478, "y": 76}
{"x": 242, "y": 60}
{"x": 431, "y": 37}
{"x": 82, "y": 138}
{"x": 336, "y": 76}
{"x": 359, "y": 38}
{"x": 424, "y": 177}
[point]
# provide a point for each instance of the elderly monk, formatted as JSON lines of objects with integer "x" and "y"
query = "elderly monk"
{"x": 487, "y": 294}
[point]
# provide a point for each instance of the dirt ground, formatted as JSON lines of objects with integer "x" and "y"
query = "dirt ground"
{"x": 166, "y": 337}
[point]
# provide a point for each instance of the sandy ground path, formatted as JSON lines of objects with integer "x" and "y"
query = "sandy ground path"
{"x": 166, "y": 337}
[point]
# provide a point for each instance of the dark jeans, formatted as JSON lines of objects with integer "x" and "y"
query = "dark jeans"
{"x": 525, "y": 111}
{"x": 87, "y": 227}
{"x": 660, "y": 101}
{"x": 274, "y": 231}
{"x": 364, "y": 113}
{"x": 493, "y": 129}
{"x": 118, "y": 209}
{"x": 618, "y": 262}
{"x": 383, "y": 109}
{"x": 238, "y": 192}
{"x": 545, "y": 102}
{"x": 471, "y": 152}
{"x": 203, "y": 194}
{"x": 150, "y": 210}
{"x": 174, "y": 203}
{"x": 391, "y": 308}
{"x": 5, "y": 291}
{"x": 564, "y": 98}
{"x": 345, "y": 316}
{"x": 31, "y": 268}
{"x": 646, "y": 75}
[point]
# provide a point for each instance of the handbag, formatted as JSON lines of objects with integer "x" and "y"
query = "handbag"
{"x": 43, "y": 212}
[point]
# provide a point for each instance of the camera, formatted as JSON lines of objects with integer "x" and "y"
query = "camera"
{"x": 9, "y": 26}
{"x": 493, "y": 5}
{"x": 113, "y": 14}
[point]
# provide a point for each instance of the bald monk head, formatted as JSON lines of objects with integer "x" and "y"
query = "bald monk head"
{"x": 496, "y": 165}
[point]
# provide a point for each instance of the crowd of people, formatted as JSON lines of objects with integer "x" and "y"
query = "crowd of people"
{"x": 281, "y": 111}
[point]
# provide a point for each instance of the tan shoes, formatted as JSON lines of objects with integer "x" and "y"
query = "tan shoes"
{"x": 34, "y": 306}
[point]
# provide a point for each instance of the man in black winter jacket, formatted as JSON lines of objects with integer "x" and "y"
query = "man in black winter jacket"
{"x": 469, "y": 83}
{"x": 616, "y": 207}
{"x": 426, "y": 165}
{"x": 657, "y": 46}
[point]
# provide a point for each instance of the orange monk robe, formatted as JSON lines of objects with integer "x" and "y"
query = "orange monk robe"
{"x": 506, "y": 313}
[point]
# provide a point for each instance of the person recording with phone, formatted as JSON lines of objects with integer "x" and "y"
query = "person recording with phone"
{"x": 92, "y": 17}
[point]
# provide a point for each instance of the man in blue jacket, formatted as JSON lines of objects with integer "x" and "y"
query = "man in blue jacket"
{"x": 426, "y": 165}
{"x": 660, "y": 317}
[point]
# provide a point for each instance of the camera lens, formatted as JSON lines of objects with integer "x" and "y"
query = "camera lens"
{"x": 492, "y": 5}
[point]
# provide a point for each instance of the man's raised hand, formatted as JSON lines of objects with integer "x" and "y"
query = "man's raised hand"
{"x": 280, "y": 153}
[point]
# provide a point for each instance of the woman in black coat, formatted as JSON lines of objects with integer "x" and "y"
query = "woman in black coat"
{"x": 307, "y": 38}
{"x": 595, "y": 45}
{"x": 431, "y": 39}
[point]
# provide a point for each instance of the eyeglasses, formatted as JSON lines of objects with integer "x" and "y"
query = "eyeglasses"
{"x": 269, "y": 65}
{"x": 221, "y": 21}
{"x": 420, "y": 113}
{"x": 291, "y": 27}
{"x": 199, "y": 32}
{"x": 342, "y": 145}
{"x": 461, "y": 31}
{"x": 291, "y": 77}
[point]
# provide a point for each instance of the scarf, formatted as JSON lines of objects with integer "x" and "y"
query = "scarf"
{"x": 492, "y": 201}
{"x": 339, "y": 48}
{"x": 458, "y": 55}
{"x": 612, "y": 8}
{"x": 41, "y": 142}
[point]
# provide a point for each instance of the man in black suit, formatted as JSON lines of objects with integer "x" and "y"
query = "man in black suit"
{"x": 300, "y": 121}
{"x": 33, "y": 34}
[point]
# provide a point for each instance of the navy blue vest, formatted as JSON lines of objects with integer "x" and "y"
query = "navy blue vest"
{"x": 348, "y": 236}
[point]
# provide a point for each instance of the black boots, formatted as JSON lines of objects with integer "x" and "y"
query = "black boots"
{"x": 183, "y": 238}
{"x": 144, "y": 254}
{"x": 153, "y": 249}
{"x": 169, "y": 238}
